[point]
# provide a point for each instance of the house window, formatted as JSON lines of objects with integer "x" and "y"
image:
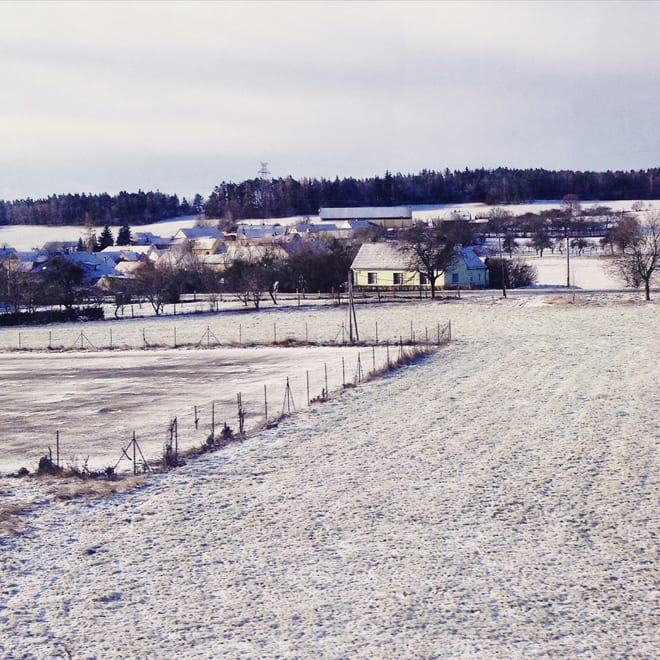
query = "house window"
{"x": 372, "y": 278}
{"x": 398, "y": 278}
{"x": 454, "y": 278}
{"x": 423, "y": 279}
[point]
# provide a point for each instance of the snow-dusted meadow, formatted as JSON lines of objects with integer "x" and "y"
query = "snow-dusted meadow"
{"x": 497, "y": 499}
{"x": 95, "y": 384}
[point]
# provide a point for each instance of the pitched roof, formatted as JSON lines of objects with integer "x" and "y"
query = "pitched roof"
{"x": 308, "y": 228}
{"x": 366, "y": 213}
{"x": 147, "y": 238}
{"x": 198, "y": 231}
{"x": 381, "y": 256}
{"x": 472, "y": 260}
{"x": 205, "y": 243}
{"x": 259, "y": 231}
{"x": 252, "y": 253}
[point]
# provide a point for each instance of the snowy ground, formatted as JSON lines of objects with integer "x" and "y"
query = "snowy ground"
{"x": 498, "y": 499}
{"x": 66, "y": 380}
{"x": 33, "y": 237}
{"x": 97, "y": 397}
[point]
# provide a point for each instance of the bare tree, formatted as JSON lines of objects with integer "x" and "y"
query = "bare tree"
{"x": 249, "y": 280}
{"x": 509, "y": 243}
{"x": 637, "y": 261}
{"x": 625, "y": 232}
{"x": 271, "y": 264}
{"x": 431, "y": 248}
{"x": 158, "y": 283}
{"x": 61, "y": 281}
{"x": 20, "y": 289}
{"x": 541, "y": 240}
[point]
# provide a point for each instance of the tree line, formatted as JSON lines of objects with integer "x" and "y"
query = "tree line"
{"x": 137, "y": 208}
{"x": 283, "y": 197}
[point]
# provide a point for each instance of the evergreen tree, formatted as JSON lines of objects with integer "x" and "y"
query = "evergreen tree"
{"x": 107, "y": 239}
{"x": 198, "y": 203}
{"x": 124, "y": 236}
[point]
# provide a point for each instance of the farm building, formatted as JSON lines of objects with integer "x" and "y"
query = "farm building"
{"x": 391, "y": 217}
{"x": 198, "y": 231}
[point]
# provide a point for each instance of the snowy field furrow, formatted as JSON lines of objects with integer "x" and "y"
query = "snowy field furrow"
{"x": 497, "y": 499}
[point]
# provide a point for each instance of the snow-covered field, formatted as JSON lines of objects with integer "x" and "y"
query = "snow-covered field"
{"x": 32, "y": 237}
{"x": 96, "y": 398}
{"x": 497, "y": 499}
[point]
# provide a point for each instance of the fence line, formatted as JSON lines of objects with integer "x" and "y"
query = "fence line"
{"x": 246, "y": 411}
{"x": 100, "y": 338}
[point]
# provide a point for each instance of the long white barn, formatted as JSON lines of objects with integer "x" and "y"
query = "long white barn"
{"x": 385, "y": 216}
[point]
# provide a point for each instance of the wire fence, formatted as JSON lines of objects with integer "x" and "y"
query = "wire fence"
{"x": 191, "y": 333}
{"x": 232, "y": 416}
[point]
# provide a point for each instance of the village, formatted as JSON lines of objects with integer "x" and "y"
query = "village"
{"x": 251, "y": 261}
{"x": 380, "y": 247}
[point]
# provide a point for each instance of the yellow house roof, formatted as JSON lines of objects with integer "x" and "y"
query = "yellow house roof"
{"x": 381, "y": 256}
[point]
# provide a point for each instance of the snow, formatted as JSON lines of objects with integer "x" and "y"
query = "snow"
{"x": 481, "y": 210}
{"x": 31, "y": 237}
{"x": 497, "y": 499}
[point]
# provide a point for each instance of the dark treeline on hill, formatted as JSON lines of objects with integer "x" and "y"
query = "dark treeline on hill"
{"x": 100, "y": 209}
{"x": 279, "y": 198}
{"x": 258, "y": 198}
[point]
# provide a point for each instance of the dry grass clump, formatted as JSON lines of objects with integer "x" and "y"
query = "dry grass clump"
{"x": 560, "y": 300}
{"x": 11, "y": 520}
{"x": 97, "y": 487}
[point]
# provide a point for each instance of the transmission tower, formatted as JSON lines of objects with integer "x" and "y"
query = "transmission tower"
{"x": 264, "y": 172}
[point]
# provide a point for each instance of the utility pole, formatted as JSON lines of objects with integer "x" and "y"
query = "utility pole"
{"x": 499, "y": 243}
{"x": 352, "y": 319}
{"x": 568, "y": 260}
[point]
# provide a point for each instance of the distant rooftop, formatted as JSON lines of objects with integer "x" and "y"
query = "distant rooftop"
{"x": 366, "y": 213}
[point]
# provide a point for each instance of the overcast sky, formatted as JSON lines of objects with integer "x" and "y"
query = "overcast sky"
{"x": 179, "y": 96}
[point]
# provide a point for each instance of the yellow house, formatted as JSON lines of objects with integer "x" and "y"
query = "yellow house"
{"x": 206, "y": 245}
{"x": 387, "y": 266}
{"x": 384, "y": 265}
